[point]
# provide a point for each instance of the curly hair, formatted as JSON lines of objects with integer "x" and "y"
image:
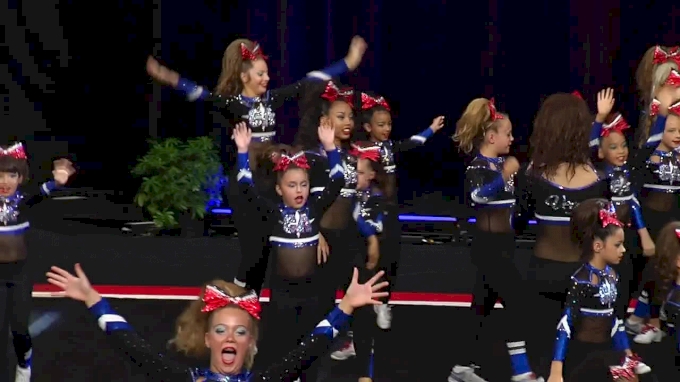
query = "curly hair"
{"x": 560, "y": 135}
{"x": 666, "y": 259}
{"x": 233, "y": 65}
{"x": 192, "y": 324}
{"x": 13, "y": 165}
{"x": 473, "y": 124}
{"x": 586, "y": 227}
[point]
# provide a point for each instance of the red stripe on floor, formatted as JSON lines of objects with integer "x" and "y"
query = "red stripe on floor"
{"x": 179, "y": 292}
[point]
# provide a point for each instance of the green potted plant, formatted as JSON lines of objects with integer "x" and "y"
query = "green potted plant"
{"x": 180, "y": 180}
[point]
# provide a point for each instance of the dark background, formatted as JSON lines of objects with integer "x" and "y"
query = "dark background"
{"x": 72, "y": 78}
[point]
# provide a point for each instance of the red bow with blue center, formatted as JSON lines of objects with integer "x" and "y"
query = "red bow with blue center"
{"x": 608, "y": 216}
{"x": 618, "y": 125}
{"x": 283, "y": 161}
{"x": 368, "y": 102}
{"x": 333, "y": 93}
{"x": 214, "y": 298}
{"x": 252, "y": 54}
{"x": 661, "y": 56}
{"x": 493, "y": 113}
{"x": 371, "y": 153}
{"x": 15, "y": 151}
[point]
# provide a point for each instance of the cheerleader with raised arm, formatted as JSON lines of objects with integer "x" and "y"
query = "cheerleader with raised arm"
{"x": 223, "y": 323}
{"x": 592, "y": 321}
{"x": 489, "y": 185}
{"x": 16, "y": 199}
{"x": 242, "y": 94}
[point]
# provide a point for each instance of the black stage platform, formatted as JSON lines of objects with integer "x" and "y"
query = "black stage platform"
{"x": 153, "y": 277}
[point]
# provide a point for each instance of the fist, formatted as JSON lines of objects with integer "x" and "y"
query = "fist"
{"x": 511, "y": 165}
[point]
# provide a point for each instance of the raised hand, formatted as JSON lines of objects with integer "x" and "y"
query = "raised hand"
{"x": 161, "y": 73}
{"x": 510, "y": 166}
{"x": 63, "y": 169}
{"x": 242, "y": 136}
{"x": 76, "y": 287}
{"x": 605, "y": 103}
{"x": 358, "y": 295}
{"x": 327, "y": 136}
{"x": 357, "y": 48}
{"x": 437, "y": 123}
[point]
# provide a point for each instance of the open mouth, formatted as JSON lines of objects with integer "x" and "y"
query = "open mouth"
{"x": 346, "y": 131}
{"x": 228, "y": 355}
{"x": 4, "y": 190}
{"x": 299, "y": 199}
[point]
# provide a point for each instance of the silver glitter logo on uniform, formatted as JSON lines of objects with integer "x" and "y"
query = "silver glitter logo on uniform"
{"x": 560, "y": 202}
{"x": 668, "y": 170}
{"x": 607, "y": 291}
{"x": 350, "y": 172}
{"x": 9, "y": 209}
{"x": 260, "y": 116}
{"x": 297, "y": 222}
{"x": 619, "y": 184}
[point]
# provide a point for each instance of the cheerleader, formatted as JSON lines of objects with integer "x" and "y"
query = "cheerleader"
{"x": 293, "y": 227}
{"x": 222, "y": 323}
{"x": 592, "y": 320}
{"x": 489, "y": 188}
{"x": 242, "y": 95}
{"x": 376, "y": 120}
{"x": 15, "y": 203}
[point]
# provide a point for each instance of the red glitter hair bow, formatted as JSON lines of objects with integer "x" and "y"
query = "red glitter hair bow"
{"x": 252, "y": 54}
{"x": 214, "y": 298}
{"x": 371, "y": 153}
{"x": 677, "y": 233}
{"x": 661, "y": 56}
{"x": 368, "y": 102}
{"x": 675, "y": 108}
{"x": 577, "y": 94}
{"x": 608, "y": 216}
{"x": 493, "y": 113}
{"x": 15, "y": 151}
{"x": 673, "y": 79}
{"x": 654, "y": 107}
{"x": 283, "y": 161}
{"x": 618, "y": 125}
{"x": 333, "y": 93}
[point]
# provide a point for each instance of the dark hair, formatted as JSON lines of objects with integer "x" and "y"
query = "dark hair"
{"x": 561, "y": 134}
{"x": 586, "y": 226}
{"x": 364, "y": 116}
{"x": 666, "y": 259}
{"x": 312, "y": 108}
{"x": 380, "y": 180}
{"x": 267, "y": 161}
{"x": 13, "y": 165}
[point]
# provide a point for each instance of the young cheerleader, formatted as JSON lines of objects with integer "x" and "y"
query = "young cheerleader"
{"x": 15, "y": 202}
{"x": 293, "y": 227}
{"x": 242, "y": 95}
{"x": 592, "y": 319}
{"x": 222, "y": 323}
{"x": 489, "y": 189}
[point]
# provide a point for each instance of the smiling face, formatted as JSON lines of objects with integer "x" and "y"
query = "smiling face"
{"x": 256, "y": 79}
{"x": 9, "y": 183}
{"x": 614, "y": 149}
{"x": 671, "y": 133}
{"x": 380, "y": 127}
{"x": 230, "y": 340}
{"x": 341, "y": 118}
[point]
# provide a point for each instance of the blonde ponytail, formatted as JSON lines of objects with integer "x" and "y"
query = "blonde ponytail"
{"x": 472, "y": 125}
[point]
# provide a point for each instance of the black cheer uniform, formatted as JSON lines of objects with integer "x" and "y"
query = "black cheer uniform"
{"x": 260, "y": 115}
{"x": 159, "y": 368}
{"x": 16, "y": 287}
{"x": 293, "y": 237}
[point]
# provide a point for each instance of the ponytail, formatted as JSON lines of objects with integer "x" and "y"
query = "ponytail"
{"x": 473, "y": 124}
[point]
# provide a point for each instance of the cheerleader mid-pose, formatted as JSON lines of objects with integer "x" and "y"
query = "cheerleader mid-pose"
{"x": 14, "y": 222}
{"x": 489, "y": 189}
{"x": 592, "y": 319}
{"x": 222, "y": 323}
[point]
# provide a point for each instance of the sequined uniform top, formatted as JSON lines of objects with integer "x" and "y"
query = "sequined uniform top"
{"x": 156, "y": 366}
{"x": 14, "y": 222}
{"x": 294, "y": 232}
{"x": 660, "y": 185}
{"x": 593, "y": 312}
{"x": 339, "y": 214}
{"x": 489, "y": 194}
{"x": 623, "y": 195}
{"x": 655, "y": 132}
{"x": 552, "y": 204}
{"x": 369, "y": 212}
{"x": 388, "y": 149}
{"x": 258, "y": 112}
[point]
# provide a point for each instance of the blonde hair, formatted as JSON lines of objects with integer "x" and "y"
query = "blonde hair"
{"x": 473, "y": 124}
{"x": 192, "y": 324}
{"x": 233, "y": 64}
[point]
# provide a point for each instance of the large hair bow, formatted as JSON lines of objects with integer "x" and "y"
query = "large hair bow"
{"x": 371, "y": 153}
{"x": 673, "y": 78}
{"x": 252, "y": 54}
{"x": 654, "y": 107}
{"x": 494, "y": 114}
{"x": 618, "y": 125}
{"x": 332, "y": 93}
{"x": 675, "y": 108}
{"x": 15, "y": 151}
{"x": 661, "y": 56}
{"x": 214, "y": 298}
{"x": 577, "y": 94}
{"x": 368, "y": 102}
{"x": 283, "y": 161}
{"x": 608, "y": 216}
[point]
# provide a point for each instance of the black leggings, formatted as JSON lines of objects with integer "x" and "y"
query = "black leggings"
{"x": 590, "y": 361}
{"x": 15, "y": 305}
{"x": 344, "y": 244}
{"x": 390, "y": 249}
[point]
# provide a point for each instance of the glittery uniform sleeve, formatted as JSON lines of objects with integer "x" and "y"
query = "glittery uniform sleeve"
{"x": 247, "y": 192}
{"x": 311, "y": 348}
{"x": 295, "y": 90}
{"x": 413, "y": 141}
{"x": 325, "y": 197}
{"x": 124, "y": 339}
{"x": 636, "y": 212}
{"x": 656, "y": 131}
{"x": 619, "y": 336}
{"x": 595, "y": 132}
{"x": 369, "y": 218}
{"x": 483, "y": 184}
{"x": 565, "y": 327}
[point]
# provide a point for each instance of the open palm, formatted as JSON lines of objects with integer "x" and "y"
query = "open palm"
{"x": 358, "y": 295}
{"x": 76, "y": 287}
